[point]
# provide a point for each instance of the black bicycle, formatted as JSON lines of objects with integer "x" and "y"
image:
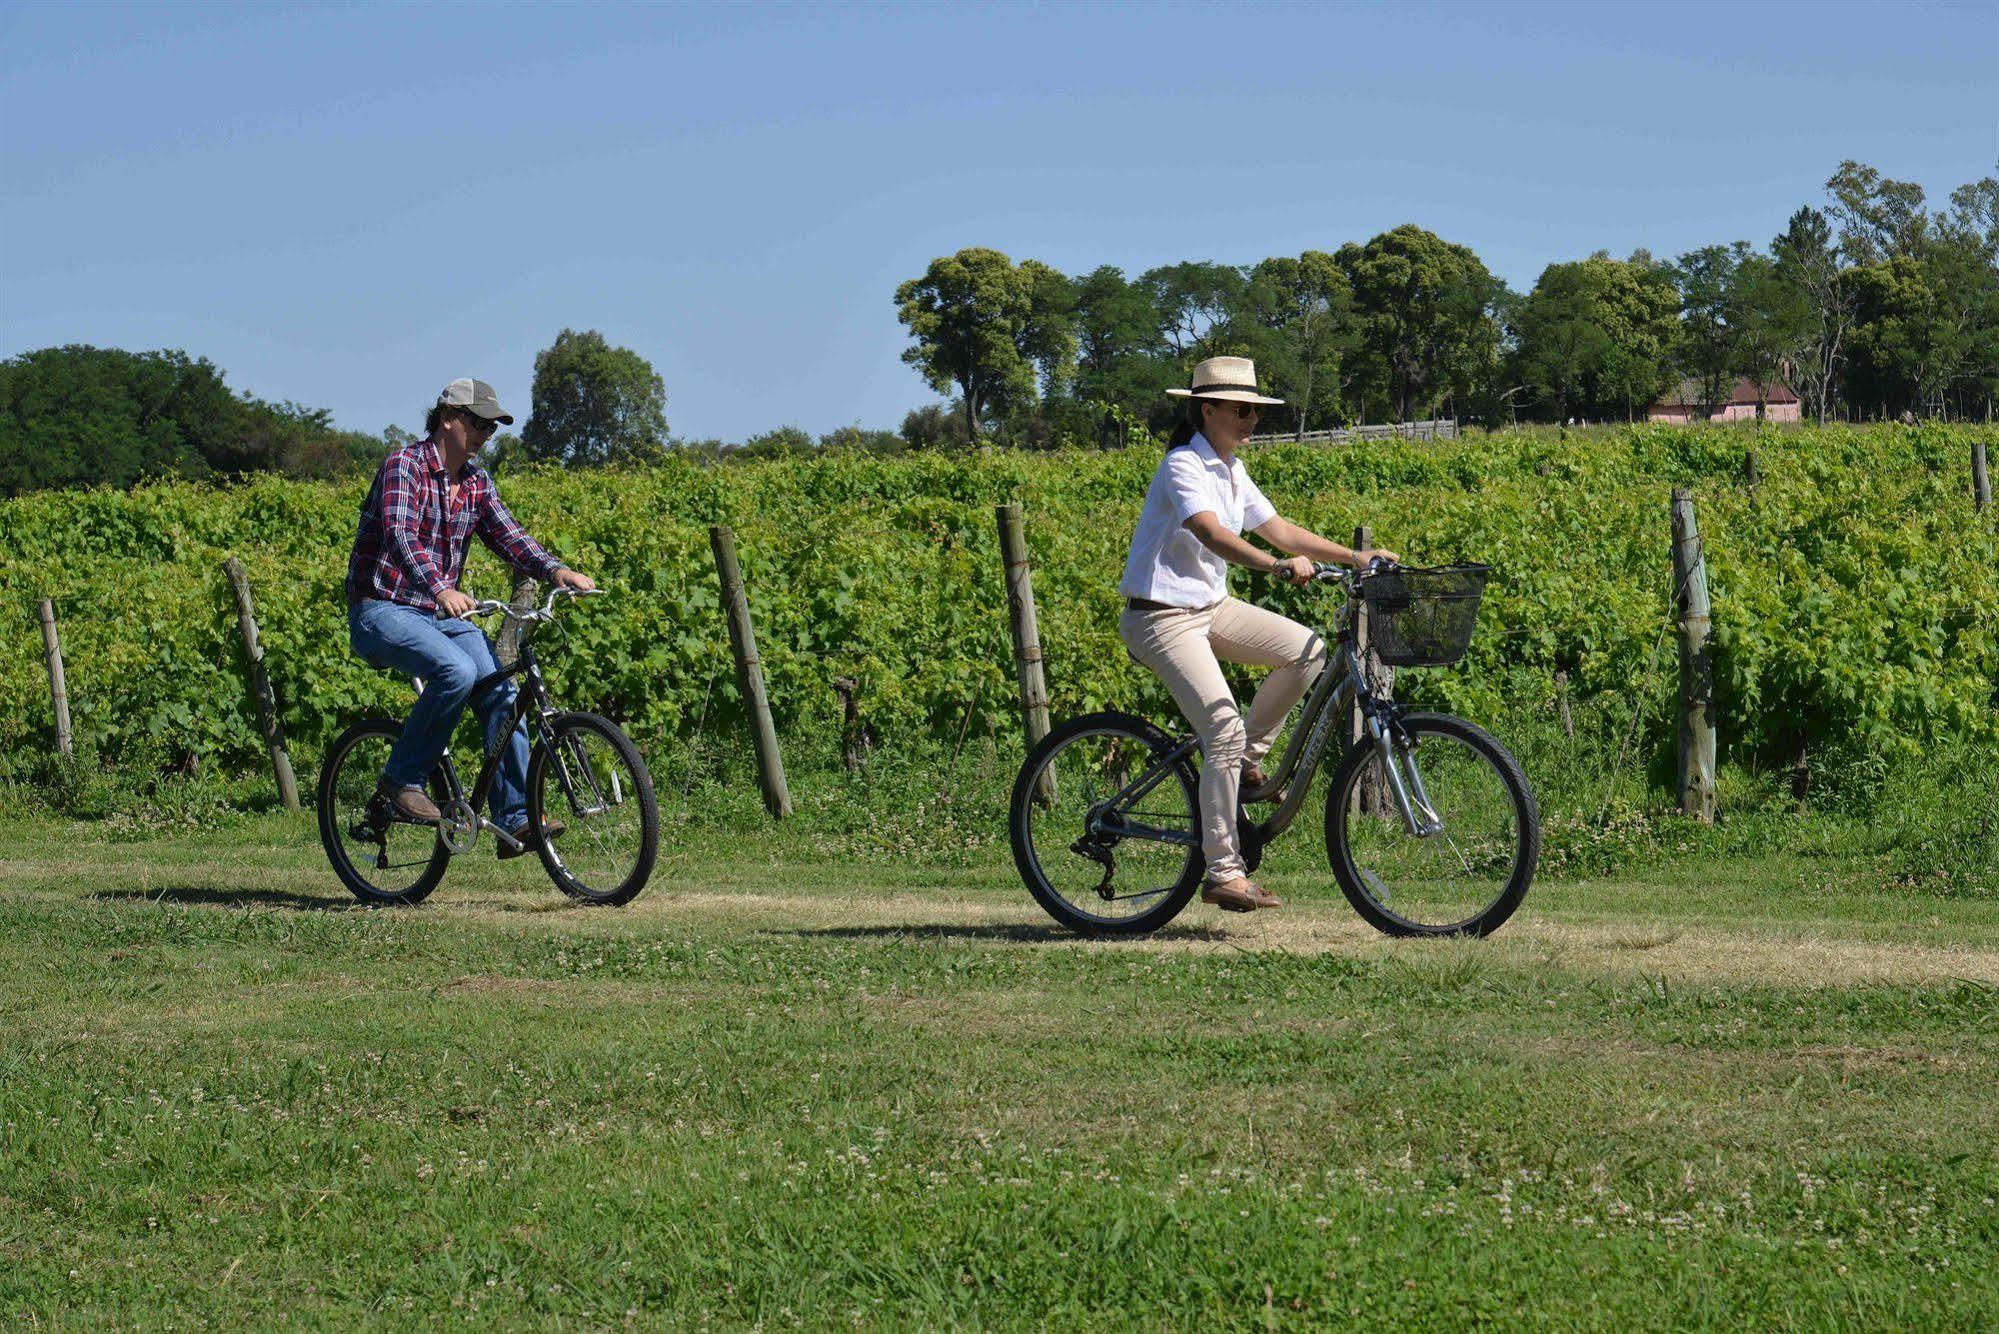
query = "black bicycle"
{"x": 584, "y": 773}
{"x": 1431, "y": 826}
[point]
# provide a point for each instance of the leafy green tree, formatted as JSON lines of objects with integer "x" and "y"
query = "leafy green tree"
{"x": 1426, "y": 311}
{"x": 1808, "y": 263}
{"x": 1878, "y": 218}
{"x": 1769, "y": 318}
{"x": 1118, "y": 341}
{"x": 1925, "y": 329}
{"x": 1303, "y": 311}
{"x": 1710, "y": 353}
{"x": 1195, "y": 304}
{"x": 594, "y": 403}
{"x": 1596, "y": 335}
{"x": 984, "y": 325}
{"x": 91, "y": 416}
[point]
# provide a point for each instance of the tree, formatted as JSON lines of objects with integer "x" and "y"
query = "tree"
{"x": 1118, "y": 342}
{"x": 1195, "y": 303}
{"x": 1709, "y": 352}
{"x": 1769, "y": 318}
{"x": 984, "y": 325}
{"x": 1878, "y": 218}
{"x": 1304, "y": 310}
{"x": 594, "y": 403}
{"x": 1560, "y": 333}
{"x": 1596, "y": 335}
{"x": 92, "y": 416}
{"x": 1426, "y": 313}
{"x": 1808, "y": 262}
{"x": 935, "y": 426}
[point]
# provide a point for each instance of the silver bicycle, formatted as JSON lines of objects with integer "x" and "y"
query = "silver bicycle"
{"x": 1431, "y": 826}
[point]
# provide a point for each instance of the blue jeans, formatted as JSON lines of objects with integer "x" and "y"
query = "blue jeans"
{"x": 449, "y": 655}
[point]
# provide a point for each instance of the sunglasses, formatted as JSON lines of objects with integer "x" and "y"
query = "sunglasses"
{"x": 482, "y": 425}
{"x": 1243, "y": 411}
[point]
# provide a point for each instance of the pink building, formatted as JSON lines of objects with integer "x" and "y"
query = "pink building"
{"x": 1681, "y": 404}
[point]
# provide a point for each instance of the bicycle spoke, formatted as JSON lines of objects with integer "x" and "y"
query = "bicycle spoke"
{"x": 1095, "y": 847}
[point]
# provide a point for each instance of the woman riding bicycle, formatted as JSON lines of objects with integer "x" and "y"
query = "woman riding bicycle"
{"x": 1180, "y": 622}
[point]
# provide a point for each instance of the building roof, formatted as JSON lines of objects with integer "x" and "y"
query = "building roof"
{"x": 1687, "y": 394}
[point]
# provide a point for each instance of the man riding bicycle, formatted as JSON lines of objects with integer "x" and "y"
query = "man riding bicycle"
{"x": 405, "y": 610}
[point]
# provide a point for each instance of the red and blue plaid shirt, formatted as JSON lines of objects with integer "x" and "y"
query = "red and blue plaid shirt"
{"x": 411, "y": 545}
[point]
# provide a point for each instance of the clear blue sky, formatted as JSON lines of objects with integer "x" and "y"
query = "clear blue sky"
{"x": 350, "y": 205}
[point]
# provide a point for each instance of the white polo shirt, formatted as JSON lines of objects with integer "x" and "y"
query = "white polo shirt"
{"x": 1168, "y": 564}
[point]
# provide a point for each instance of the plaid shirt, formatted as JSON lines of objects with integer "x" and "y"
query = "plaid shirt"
{"x": 411, "y": 544}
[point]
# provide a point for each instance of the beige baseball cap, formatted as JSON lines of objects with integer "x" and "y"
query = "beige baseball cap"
{"x": 475, "y": 396}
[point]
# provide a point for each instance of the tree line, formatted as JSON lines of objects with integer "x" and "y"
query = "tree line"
{"x": 93, "y": 416}
{"x": 1871, "y": 305}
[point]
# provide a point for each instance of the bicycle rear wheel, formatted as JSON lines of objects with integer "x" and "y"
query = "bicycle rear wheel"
{"x": 1084, "y": 858}
{"x": 1464, "y": 879}
{"x": 377, "y": 856}
{"x": 588, "y": 776}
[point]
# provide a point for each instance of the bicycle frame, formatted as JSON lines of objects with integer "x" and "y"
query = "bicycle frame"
{"x": 1344, "y": 679}
{"x": 533, "y": 706}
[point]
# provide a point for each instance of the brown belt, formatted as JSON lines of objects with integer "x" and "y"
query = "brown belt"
{"x": 1147, "y": 604}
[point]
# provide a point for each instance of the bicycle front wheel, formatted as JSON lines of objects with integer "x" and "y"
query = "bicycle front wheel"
{"x": 1106, "y": 838}
{"x": 1465, "y": 876}
{"x": 588, "y": 777}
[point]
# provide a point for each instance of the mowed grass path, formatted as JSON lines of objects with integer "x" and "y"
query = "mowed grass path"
{"x": 787, "y": 1090}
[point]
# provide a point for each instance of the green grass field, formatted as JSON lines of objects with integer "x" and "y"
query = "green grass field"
{"x": 781, "y": 1089}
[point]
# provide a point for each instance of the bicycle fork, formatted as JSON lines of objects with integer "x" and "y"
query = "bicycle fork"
{"x": 1398, "y": 762}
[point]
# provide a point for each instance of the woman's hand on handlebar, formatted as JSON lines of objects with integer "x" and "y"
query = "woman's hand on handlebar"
{"x": 1363, "y": 559}
{"x": 1295, "y": 570}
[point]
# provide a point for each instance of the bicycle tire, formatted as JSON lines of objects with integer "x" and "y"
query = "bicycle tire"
{"x": 627, "y": 888}
{"x": 1339, "y": 803}
{"x": 333, "y": 838}
{"x": 1152, "y": 741}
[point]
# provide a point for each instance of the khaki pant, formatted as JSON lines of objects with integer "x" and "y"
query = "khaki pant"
{"x": 1186, "y": 649}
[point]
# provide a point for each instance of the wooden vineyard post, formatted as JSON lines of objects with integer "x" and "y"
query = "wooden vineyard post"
{"x": 1562, "y": 704}
{"x": 1752, "y": 468}
{"x": 52, "y": 650}
{"x": 1026, "y": 635}
{"x": 1981, "y": 480}
{"x": 507, "y": 648}
{"x": 1690, "y": 603}
{"x": 749, "y": 672}
{"x": 260, "y": 685}
{"x": 1370, "y": 794}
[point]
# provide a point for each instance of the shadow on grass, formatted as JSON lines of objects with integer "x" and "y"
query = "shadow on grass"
{"x": 229, "y": 898}
{"x": 1016, "y": 932}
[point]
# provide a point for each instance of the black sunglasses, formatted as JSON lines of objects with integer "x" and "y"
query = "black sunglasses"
{"x": 1245, "y": 411}
{"x": 483, "y": 425}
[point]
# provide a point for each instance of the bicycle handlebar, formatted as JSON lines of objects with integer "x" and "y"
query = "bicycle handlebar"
{"x": 546, "y": 612}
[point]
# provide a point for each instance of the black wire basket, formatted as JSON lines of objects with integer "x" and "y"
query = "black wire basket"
{"x": 1420, "y": 617}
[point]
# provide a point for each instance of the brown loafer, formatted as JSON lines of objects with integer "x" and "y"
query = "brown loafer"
{"x": 528, "y": 842}
{"x": 1253, "y": 776}
{"x": 410, "y": 803}
{"x": 1242, "y": 895}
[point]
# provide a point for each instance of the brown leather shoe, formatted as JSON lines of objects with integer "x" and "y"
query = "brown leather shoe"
{"x": 528, "y": 842}
{"x": 1241, "y": 895}
{"x": 410, "y": 802}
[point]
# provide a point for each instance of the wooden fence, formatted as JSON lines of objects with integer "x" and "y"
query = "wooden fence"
{"x": 1437, "y": 430}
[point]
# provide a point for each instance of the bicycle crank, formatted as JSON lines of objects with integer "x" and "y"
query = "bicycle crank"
{"x": 457, "y": 826}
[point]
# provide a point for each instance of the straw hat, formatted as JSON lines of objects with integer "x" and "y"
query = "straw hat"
{"x": 1226, "y": 380}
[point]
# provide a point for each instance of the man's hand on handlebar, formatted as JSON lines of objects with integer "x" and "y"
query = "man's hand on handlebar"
{"x": 582, "y": 583}
{"x": 452, "y": 602}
